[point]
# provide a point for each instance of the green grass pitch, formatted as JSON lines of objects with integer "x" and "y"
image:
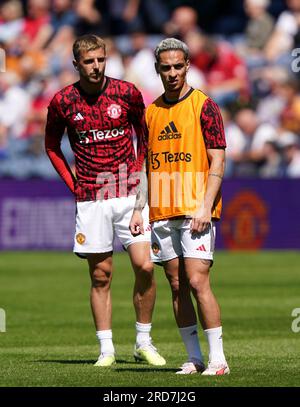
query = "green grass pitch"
{"x": 50, "y": 338}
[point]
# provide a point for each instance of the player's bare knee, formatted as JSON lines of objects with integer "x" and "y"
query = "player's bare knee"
{"x": 101, "y": 278}
{"x": 199, "y": 283}
{"x": 174, "y": 285}
{"x": 145, "y": 270}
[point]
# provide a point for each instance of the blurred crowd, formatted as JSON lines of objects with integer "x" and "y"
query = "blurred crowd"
{"x": 244, "y": 54}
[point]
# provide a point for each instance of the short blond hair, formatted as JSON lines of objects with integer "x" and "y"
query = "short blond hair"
{"x": 88, "y": 42}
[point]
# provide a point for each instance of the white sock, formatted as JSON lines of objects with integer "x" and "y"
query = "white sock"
{"x": 142, "y": 334}
{"x": 189, "y": 335}
{"x": 215, "y": 344}
{"x": 106, "y": 343}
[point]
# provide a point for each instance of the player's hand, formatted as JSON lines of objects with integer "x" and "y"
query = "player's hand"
{"x": 136, "y": 224}
{"x": 201, "y": 220}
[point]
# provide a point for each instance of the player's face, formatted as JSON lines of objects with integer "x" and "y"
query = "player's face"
{"x": 172, "y": 68}
{"x": 91, "y": 65}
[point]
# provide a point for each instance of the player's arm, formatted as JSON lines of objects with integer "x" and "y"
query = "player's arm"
{"x": 214, "y": 137}
{"x": 136, "y": 224}
{"x": 202, "y": 217}
{"x": 55, "y": 128}
{"x": 137, "y": 118}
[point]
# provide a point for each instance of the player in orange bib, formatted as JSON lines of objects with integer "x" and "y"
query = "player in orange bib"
{"x": 185, "y": 168}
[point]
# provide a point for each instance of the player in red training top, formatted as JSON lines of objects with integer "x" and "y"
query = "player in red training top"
{"x": 99, "y": 113}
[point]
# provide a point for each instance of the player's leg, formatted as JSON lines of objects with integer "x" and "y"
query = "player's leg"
{"x": 183, "y": 308}
{"x": 198, "y": 275}
{"x": 144, "y": 293}
{"x": 100, "y": 266}
{"x": 185, "y": 315}
{"x": 209, "y": 313}
{"x": 144, "y": 290}
{"x": 198, "y": 254}
{"x": 166, "y": 249}
{"x": 94, "y": 240}
{"x": 138, "y": 248}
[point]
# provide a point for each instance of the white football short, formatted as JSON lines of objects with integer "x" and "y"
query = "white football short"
{"x": 173, "y": 238}
{"x": 97, "y": 223}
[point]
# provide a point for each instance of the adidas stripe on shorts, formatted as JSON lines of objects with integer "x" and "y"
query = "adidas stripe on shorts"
{"x": 97, "y": 222}
{"x": 173, "y": 238}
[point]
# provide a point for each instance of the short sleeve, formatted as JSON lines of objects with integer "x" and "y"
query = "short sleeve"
{"x": 137, "y": 106}
{"x": 212, "y": 125}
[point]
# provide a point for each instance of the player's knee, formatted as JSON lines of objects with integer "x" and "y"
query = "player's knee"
{"x": 174, "y": 285}
{"x": 199, "y": 283}
{"x": 101, "y": 278}
{"x": 145, "y": 270}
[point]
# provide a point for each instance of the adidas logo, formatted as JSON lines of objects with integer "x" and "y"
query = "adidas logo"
{"x": 169, "y": 132}
{"x": 78, "y": 117}
{"x": 201, "y": 248}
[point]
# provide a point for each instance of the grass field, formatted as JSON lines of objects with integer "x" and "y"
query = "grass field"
{"x": 50, "y": 338}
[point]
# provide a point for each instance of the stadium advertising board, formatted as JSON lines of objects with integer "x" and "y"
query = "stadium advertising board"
{"x": 257, "y": 214}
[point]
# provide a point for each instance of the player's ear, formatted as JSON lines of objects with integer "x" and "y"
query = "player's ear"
{"x": 187, "y": 64}
{"x": 75, "y": 64}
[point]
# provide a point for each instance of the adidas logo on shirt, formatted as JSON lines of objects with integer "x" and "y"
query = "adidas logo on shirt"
{"x": 78, "y": 117}
{"x": 169, "y": 132}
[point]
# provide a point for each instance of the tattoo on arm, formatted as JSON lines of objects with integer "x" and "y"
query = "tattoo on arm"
{"x": 142, "y": 194}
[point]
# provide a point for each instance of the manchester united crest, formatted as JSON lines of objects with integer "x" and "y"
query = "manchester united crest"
{"x": 80, "y": 238}
{"x": 245, "y": 222}
{"x": 114, "y": 111}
